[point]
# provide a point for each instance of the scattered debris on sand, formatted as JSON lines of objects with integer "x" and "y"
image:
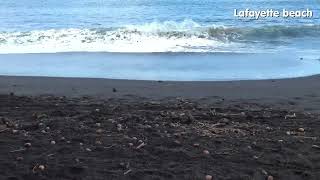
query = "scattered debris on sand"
{"x": 49, "y": 137}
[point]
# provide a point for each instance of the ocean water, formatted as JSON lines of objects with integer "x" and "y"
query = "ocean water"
{"x": 159, "y": 26}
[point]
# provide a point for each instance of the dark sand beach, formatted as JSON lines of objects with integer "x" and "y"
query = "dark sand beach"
{"x": 72, "y": 128}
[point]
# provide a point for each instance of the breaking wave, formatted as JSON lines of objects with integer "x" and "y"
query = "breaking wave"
{"x": 169, "y": 36}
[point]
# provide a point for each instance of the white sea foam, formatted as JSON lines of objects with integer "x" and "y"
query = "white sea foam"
{"x": 169, "y": 36}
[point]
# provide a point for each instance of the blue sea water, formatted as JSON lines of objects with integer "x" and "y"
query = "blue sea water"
{"x": 162, "y": 26}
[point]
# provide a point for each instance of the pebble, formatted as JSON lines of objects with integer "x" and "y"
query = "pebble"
{"x": 316, "y": 146}
{"x": 225, "y": 120}
{"x": 300, "y": 129}
{"x": 98, "y": 124}
{"x": 48, "y": 128}
{"x": 130, "y": 144}
{"x": 206, "y": 152}
{"x": 53, "y": 142}
{"x": 63, "y": 138}
{"x": 81, "y": 144}
{"x": 119, "y": 127}
{"x": 122, "y": 164}
{"x": 270, "y": 178}
{"x": 196, "y": 145}
{"x": 19, "y": 158}
{"x": 264, "y": 172}
{"x": 43, "y": 131}
{"x": 14, "y": 131}
{"x": 99, "y": 130}
{"x": 88, "y": 149}
{"x": 208, "y": 177}
{"x": 27, "y": 144}
{"x": 135, "y": 138}
{"x": 41, "y": 167}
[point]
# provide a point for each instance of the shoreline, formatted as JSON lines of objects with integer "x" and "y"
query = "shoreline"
{"x": 300, "y": 93}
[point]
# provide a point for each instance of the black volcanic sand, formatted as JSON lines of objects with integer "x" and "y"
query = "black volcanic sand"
{"x": 144, "y": 139}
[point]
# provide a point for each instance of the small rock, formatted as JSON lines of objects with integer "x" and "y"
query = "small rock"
{"x": 122, "y": 164}
{"x": 280, "y": 140}
{"x": 43, "y": 131}
{"x": 225, "y": 120}
{"x": 81, "y": 144}
{"x": 130, "y": 144}
{"x": 14, "y": 131}
{"x": 99, "y": 130}
{"x": 270, "y": 178}
{"x": 19, "y": 158}
{"x": 53, "y": 142}
{"x": 41, "y": 167}
{"x": 264, "y": 172}
{"x": 135, "y": 138}
{"x": 206, "y": 152}
{"x": 68, "y": 142}
{"x": 140, "y": 141}
{"x": 119, "y": 127}
{"x": 27, "y": 145}
{"x": 316, "y": 146}
{"x": 208, "y": 177}
{"x": 98, "y": 124}
{"x": 88, "y": 149}
{"x": 288, "y": 133}
{"x": 141, "y": 145}
{"x": 63, "y": 138}
{"x": 48, "y": 128}
{"x": 98, "y": 142}
{"x": 254, "y": 143}
{"x": 301, "y": 129}
{"x": 97, "y": 110}
{"x": 196, "y": 145}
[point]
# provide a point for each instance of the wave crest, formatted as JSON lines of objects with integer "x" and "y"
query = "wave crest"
{"x": 169, "y": 36}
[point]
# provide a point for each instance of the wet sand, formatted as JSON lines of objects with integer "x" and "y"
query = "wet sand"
{"x": 72, "y": 128}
